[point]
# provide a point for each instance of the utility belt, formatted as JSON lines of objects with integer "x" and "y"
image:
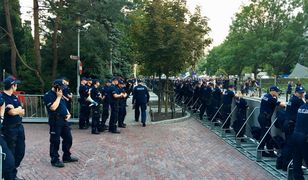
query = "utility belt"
{"x": 56, "y": 117}
{"x": 267, "y": 115}
{"x": 15, "y": 125}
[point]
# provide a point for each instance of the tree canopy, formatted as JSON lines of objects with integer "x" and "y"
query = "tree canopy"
{"x": 265, "y": 34}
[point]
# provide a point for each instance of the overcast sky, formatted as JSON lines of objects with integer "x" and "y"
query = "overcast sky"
{"x": 219, "y": 12}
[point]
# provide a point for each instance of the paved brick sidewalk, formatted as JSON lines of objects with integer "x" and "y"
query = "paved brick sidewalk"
{"x": 184, "y": 150}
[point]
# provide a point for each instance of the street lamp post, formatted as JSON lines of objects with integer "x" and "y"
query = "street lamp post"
{"x": 110, "y": 63}
{"x": 78, "y": 22}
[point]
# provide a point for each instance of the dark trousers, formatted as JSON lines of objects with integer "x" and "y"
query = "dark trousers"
{"x": 265, "y": 123}
{"x": 202, "y": 110}
{"x": 8, "y": 164}
{"x": 95, "y": 118}
{"x": 15, "y": 139}
{"x": 209, "y": 111}
{"x": 238, "y": 123}
{"x": 84, "y": 115}
{"x": 300, "y": 153}
{"x": 105, "y": 113}
{"x": 122, "y": 114}
{"x": 226, "y": 110}
{"x": 143, "y": 108}
{"x": 59, "y": 127}
{"x": 114, "y": 116}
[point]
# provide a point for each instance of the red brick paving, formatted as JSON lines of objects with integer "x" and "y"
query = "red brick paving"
{"x": 184, "y": 150}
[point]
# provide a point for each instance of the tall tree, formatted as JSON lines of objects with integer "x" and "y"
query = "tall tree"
{"x": 10, "y": 32}
{"x": 265, "y": 33}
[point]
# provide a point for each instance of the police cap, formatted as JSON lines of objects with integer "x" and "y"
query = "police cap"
{"x": 11, "y": 80}
{"x": 274, "y": 88}
{"x": 300, "y": 89}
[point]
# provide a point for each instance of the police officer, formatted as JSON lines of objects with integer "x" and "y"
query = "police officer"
{"x": 289, "y": 90}
{"x": 241, "y": 110}
{"x": 116, "y": 95}
{"x": 8, "y": 163}
{"x": 216, "y": 100}
{"x": 84, "y": 112}
{"x": 122, "y": 104}
{"x": 300, "y": 140}
{"x": 140, "y": 99}
{"x": 59, "y": 125}
{"x": 227, "y": 99}
{"x": 13, "y": 129}
{"x": 293, "y": 105}
{"x": 106, "y": 92}
{"x": 97, "y": 97}
{"x": 205, "y": 95}
{"x": 267, "y": 108}
{"x": 67, "y": 94}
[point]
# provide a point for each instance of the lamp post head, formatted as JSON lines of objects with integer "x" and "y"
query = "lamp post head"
{"x": 78, "y": 19}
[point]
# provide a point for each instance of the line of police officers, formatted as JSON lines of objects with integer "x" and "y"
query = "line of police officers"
{"x": 204, "y": 96}
{"x": 58, "y": 104}
{"x": 113, "y": 95}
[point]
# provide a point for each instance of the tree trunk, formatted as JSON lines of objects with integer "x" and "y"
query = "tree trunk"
{"x": 37, "y": 36}
{"x": 159, "y": 94}
{"x": 11, "y": 37}
{"x": 54, "y": 44}
{"x": 167, "y": 95}
{"x": 37, "y": 53}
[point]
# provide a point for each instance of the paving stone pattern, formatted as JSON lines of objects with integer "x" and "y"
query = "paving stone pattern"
{"x": 184, "y": 150}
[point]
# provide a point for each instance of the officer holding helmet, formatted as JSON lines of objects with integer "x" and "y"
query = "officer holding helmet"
{"x": 59, "y": 126}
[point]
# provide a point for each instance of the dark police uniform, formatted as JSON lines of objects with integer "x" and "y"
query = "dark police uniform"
{"x": 267, "y": 108}
{"x": 227, "y": 98}
{"x": 122, "y": 108}
{"x": 68, "y": 101}
{"x": 13, "y": 131}
{"x": 95, "y": 95}
{"x": 291, "y": 113}
{"x": 114, "y": 117}
{"x": 140, "y": 99}
{"x": 8, "y": 163}
{"x": 106, "y": 91}
{"x": 205, "y": 95}
{"x": 216, "y": 101}
{"x": 59, "y": 127}
{"x": 242, "y": 106}
{"x": 84, "y": 106}
{"x": 300, "y": 141}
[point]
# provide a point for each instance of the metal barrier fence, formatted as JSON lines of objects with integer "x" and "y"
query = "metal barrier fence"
{"x": 35, "y": 108}
{"x": 168, "y": 99}
{"x": 247, "y": 144}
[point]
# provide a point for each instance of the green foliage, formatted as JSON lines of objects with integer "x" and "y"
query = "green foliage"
{"x": 165, "y": 41}
{"x": 265, "y": 33}
{"x": 24, "y": 43}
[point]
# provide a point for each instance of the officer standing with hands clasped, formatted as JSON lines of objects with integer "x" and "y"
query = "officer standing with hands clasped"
{"x": 13, "y": 130}
{"x": 116, "y": 96}
{"x": 59, "y": 125}
{"x": 300, "y": 140}
{"x": 140, "y": 99}
{"x": 8, "y": 163}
